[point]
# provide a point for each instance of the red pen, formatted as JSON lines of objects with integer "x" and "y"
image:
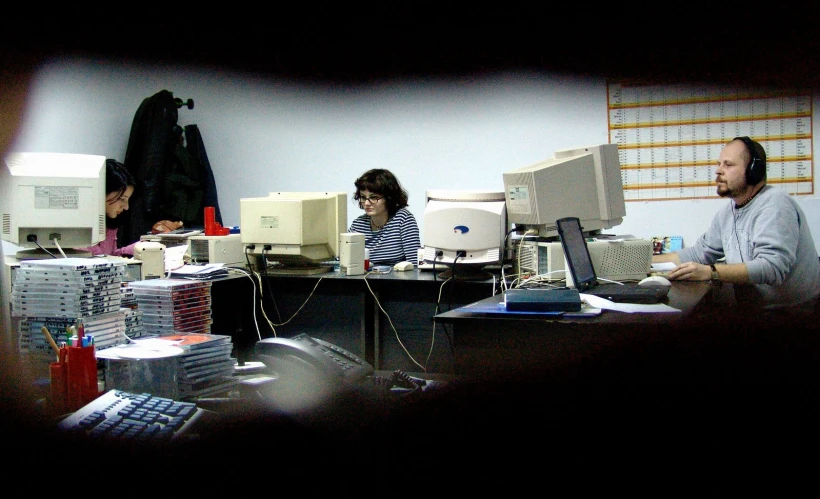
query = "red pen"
{"x": 80, "y": 332}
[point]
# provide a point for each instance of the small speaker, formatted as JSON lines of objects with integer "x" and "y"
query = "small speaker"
{"x": 152, "y": 255}
{"x": 351, "y": 253}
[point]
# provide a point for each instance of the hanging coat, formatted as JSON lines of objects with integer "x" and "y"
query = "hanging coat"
{"x": 174, "y": 179}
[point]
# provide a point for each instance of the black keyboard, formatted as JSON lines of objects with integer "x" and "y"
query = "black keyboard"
{"x": 122, "y": 415}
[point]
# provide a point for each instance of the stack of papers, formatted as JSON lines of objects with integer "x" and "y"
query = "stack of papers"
{"x": 195, "y": 271}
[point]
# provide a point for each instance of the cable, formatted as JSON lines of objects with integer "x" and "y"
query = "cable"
{"x": 390, "y": 321}
{"x": 59, "y": 248}
{"x": 300, "y": 307}
{"x": 737, "y": 238}
{"x": 447, "y": 333}
{"x": 253, "y": 305}
{"x": 42, "y": 248}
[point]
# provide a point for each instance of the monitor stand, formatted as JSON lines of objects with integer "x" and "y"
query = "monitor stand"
{"x": 40, "y": 254}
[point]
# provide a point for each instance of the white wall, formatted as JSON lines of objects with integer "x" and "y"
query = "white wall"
{"x": 264, "y": 135}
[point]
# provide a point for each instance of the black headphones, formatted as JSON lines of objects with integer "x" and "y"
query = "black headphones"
{"x": 756, "y": 171}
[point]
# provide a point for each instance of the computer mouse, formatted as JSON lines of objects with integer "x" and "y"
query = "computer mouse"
{"x": 655, "y": 281}
{"x": 402, "y": 266}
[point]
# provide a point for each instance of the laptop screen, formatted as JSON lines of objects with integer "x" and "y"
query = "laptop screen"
{"x": 576, "y": 253}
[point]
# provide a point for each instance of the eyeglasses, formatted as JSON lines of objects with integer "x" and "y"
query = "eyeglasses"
{"x": 372, "y": 199}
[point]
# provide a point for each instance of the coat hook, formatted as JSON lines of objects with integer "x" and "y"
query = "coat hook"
{"x": 180, "y": 103}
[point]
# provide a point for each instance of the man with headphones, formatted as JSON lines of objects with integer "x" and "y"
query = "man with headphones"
{"x": 762, "y": 238}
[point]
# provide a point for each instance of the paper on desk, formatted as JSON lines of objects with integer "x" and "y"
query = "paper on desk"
{"x": 175, "y": 257}
{"x": 598, "y": 302}
{"x": 199, "y": 269}
{"x": 662, "y": 267}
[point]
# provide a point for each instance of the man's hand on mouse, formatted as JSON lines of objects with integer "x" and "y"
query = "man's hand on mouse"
{"x": 690, "y": 271}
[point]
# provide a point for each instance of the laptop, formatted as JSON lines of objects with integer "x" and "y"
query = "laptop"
{"x": 583, "y": 273}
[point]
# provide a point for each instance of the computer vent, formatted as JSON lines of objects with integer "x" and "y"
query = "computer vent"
{"x": 6, "y": 223}
{"x": 199, "y": 250}
{"x": 527, "y": 258}
{"x": 622, "y": 261}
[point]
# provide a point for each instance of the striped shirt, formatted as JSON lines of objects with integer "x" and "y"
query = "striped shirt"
{"x": 398, "y": 240}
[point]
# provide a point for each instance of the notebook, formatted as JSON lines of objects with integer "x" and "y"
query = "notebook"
{"x": 583, "y": 273}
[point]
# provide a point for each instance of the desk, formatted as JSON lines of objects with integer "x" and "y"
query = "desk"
{"x": 490, "y": 344}
{"x": 356, "y": 312}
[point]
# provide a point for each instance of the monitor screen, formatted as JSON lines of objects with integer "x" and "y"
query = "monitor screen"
{"x": 54, "y": 199}
{"x": 293, "y": 228}
{"x": 464, "y": 227}
{"x": 583, "y": 182}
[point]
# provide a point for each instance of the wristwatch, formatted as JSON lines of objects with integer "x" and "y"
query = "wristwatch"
{"x": 715, "y": 275}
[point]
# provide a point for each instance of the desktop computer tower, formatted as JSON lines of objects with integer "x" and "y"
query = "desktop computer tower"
{"x": 216, "y": 249}
{"x": 615, "y": 260}
{"x": 539, "y": 257}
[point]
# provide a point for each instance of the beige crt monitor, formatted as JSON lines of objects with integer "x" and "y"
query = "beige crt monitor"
{"x": 583, "y": 182}
{"x": 293, "y": 227}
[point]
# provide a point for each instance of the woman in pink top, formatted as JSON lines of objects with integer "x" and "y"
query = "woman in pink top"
{"x": 119, "y": 186}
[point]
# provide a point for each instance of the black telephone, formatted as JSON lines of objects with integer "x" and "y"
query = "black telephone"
{"x": 304, "y": 355}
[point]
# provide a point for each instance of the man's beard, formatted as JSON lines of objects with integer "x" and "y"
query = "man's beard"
{"x": 724, "y": 191}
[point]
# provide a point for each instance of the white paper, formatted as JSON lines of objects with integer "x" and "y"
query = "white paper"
{"x": 175, "y": 257}
{"x": 598, "y": 302}
{"x": 199, "y": 269}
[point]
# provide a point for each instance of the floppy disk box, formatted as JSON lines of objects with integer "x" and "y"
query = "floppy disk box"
{"x": 543, "y": 300}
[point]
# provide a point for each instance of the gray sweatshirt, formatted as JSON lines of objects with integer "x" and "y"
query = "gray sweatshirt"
{"x": 771, "y": 236}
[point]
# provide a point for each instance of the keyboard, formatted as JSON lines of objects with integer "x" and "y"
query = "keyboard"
{"x": 121, "y": 415}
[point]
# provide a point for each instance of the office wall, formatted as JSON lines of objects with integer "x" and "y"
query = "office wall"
{"x": 264, "y": 135}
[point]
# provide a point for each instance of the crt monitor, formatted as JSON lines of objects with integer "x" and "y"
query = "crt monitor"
{"x": 582, "y": 182}
{"x": 464, "y": 227}
{"x": 56, "y": 200}
{"x": 293, "y": 229}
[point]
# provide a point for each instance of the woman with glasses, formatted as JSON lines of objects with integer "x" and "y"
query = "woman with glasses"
{"x": 391, "y": 233}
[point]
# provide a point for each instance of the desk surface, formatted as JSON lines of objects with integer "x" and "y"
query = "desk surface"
{"x": 393, "y": 275}
{"x": 684, "y": 295}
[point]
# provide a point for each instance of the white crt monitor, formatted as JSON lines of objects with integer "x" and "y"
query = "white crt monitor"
{"x": 293, "y": 227}
{"x": 583, "y": 182}
{"x": 470, "y": 223}
{"x": 51, "y": 197}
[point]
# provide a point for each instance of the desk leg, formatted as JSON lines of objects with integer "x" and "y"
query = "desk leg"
{"x": 370, "y": 326}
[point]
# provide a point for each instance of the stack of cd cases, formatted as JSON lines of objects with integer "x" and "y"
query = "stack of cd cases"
{"x": 172, "y": 306}
{"x": 56, "y": 293}
{"x": 175, "y": 366}
{"x": 67, "y": 287}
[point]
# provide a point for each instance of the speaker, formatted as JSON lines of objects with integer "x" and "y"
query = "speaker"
{"x": 152, "y": 255}
{"x": 756, "y": 171}
{"x": 351, "y": 253}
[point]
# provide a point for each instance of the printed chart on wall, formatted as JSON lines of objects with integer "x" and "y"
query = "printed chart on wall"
{"x": 669, "y": 136}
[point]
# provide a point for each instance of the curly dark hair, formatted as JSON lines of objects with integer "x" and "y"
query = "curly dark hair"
{"x": 382, "y": 182}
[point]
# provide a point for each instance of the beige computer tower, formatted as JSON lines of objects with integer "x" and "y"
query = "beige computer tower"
{"x": 616, "y": 259}
{"x": 216, "y": 249}
{"x": 543, "y": 258}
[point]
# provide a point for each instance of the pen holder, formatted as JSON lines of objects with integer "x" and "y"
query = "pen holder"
{"x": 58, "y": 387}
{"x": 81, "y": 377}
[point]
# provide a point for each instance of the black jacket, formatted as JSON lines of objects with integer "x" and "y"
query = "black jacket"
{"x": 174, "y": 180}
